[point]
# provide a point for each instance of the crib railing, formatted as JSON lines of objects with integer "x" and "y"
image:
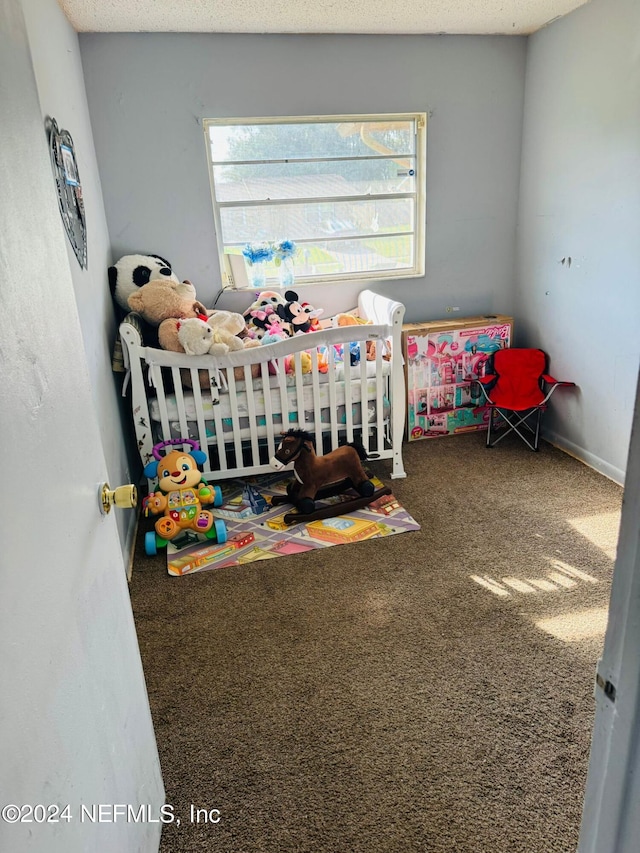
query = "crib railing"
{"x": 237, "y": 405}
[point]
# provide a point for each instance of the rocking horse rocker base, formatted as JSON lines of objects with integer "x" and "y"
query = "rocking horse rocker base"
{"x": 312, "y": 511}
{"x": 317, "y": 478}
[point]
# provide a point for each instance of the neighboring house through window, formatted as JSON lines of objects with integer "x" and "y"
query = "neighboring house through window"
{"x": 349, "y": 191}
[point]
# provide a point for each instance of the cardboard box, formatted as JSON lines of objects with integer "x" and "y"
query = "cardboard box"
{"x": 443, "y": 360}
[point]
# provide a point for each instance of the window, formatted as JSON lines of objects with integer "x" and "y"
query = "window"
{"x": 347, "y": 190}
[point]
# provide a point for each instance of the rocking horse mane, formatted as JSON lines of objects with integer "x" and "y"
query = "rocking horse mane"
{"x": 299, "y": 433}
{"x": 307, "y": 436}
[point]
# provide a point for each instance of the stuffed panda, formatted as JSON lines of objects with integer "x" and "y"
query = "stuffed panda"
{"x": 132, "y": 271}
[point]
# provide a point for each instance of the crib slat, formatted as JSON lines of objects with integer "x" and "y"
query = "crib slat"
{"x": 381, "y": 391}
{"x": 251, "y": 410}
{"x": 235, "y": 416}
{"x": 297, "y": 361}
{"x": 364, "y": 398}
{"x": 333, "y": 407}
{"x": 158, "y": 382}
{"x": 180, "y": 405}
{"x": 317, "y": 407}
{"x": 348, "y": 404}
{"x": 203, "y": 440}
{"x": 217, "y": 419}
{"x": 284, "y": 400}
{"x": 397, "y": 399}
{"x": 268, "y": 408}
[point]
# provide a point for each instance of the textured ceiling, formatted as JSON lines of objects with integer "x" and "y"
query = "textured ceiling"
{"x": 509, "y": 17}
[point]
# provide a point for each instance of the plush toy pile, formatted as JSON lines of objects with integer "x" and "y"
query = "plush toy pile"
{"x": 281, "y": 315}
{"x": 179, "y": 322}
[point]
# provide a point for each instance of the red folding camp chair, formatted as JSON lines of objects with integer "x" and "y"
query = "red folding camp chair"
{"x": 517, "y": 386}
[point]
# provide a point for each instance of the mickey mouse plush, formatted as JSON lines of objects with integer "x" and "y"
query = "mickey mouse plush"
{"x": 299, "y": 315}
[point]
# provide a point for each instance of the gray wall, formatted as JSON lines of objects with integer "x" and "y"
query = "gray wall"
{"x": 580, "y": 199}
{"x": 147, "y": 95}
{"x": 58, "y": 69}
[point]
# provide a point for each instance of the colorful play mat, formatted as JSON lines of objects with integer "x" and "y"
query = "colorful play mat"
{"x": 256, "y": 531}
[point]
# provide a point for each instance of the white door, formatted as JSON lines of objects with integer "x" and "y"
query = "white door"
{"x": 611, "y": 816}
{"x": 75, "y": 725}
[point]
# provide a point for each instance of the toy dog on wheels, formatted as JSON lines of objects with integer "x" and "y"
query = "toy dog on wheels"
{"x": 183, "y": 491}
{"x": 318, "y": 477}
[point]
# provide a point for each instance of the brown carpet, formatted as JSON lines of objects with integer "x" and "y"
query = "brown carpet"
{"x": 375, "y": 698}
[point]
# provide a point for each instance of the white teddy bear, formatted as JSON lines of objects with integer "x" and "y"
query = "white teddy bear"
{"x": 226, "y": 325}
{"x": 216, "y": 336}
{"x": 195, "y": 336}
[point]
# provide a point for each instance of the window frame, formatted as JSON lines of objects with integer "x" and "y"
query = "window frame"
{"x": 419, "y": 196}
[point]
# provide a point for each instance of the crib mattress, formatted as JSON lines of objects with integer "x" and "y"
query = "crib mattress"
{"x": 222, "y": 407}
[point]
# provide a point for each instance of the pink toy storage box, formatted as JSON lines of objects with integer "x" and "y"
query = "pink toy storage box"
{"x": 443, "y": 360}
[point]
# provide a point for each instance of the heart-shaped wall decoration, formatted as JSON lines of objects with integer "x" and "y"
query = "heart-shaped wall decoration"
{"x": 69, "y": 189}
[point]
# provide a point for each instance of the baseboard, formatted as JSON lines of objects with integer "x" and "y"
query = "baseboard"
{"x": 582, "y": 455}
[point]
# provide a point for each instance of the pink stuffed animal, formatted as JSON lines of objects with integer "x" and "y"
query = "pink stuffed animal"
{"x": 273, "y": 330}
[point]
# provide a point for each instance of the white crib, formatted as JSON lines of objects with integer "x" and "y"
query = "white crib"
{"x": 249, "y": 398}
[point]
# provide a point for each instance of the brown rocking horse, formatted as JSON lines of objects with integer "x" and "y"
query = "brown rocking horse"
{"x": 318, "y": 477}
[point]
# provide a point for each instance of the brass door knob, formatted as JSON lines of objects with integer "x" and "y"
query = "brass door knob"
{"x": 124, "y": 497}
